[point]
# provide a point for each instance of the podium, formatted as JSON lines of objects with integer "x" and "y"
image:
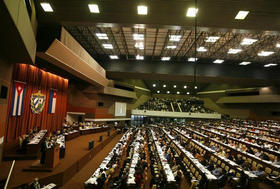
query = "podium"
{"x": 52, "y": 157}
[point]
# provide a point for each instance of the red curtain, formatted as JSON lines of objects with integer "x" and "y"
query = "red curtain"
{"x": 37, "y": 79}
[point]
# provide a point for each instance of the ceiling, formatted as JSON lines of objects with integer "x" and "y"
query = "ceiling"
{"x": 118, "y": 19}
{"x": 157, "y": 40}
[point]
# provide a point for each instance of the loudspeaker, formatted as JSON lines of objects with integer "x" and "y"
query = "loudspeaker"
{"x": 90, "y": 144}
{"x": 100, "y": 138}
{"x": 4, "y": 92}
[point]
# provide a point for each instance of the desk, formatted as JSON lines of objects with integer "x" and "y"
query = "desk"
{"x": 71, "y": 135}
{"x": 52, "y": 157}
{"x": 93, "y": 130}
{"x": 34, "y": 144}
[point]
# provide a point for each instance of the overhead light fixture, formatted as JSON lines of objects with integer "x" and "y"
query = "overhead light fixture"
{"x": 192, "y": 12}
{"x": 265, "y": 53}
{"x": 164, "y": 85}
{"x": 142, "y": 10}
{"x": 188, "y": 93}
{"x": 218, "y": 61}
{"x": 154, "y": 85}
{"x": 138, "y": 37}
{"x": 270, "y": 65}
{"x": 201, "y": 49}
{"x": 174, "y": 86}
{"x": 248, "y": 41}
{"x": 101, "y": 35}
{"x": 278, "y": 45}
{"x": 185, "y": 86}
{"x": 174, "y": 37}
{"x": 139, "y": 45}
{"x": 241, "y": 15}
{"x": 178, "y": 92}
{"x": 108, "y": 46}
{"x": 168, "y": 92}
{"x": 139, "y": 57}
{"x": 165, "y": 58}
{"x": 234, "y": 51}
{"x": 158, "y": 91}
{"x": 211, "y": 39}
{"x": 114, "y": 57}
{"x": 93, "y": 8}
{"x": 195, "y": 87}
{"x": 192, "y": 59}
{"x": 46, "y": 7}
{"x": 244, "y": 63}
{"x": 171, "y": 46}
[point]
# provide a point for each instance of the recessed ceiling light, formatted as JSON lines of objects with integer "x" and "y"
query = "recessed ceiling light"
{"x": 114, "y": 57}
{"x": 164, "y": 86}
{"x": 211, "y": 39}
{"x": 269, "y": 65}
{"x": 174, "y": 86}
{"x": 278, "y": 45}
{"x": 142, "y": 10}
{"x": 185, "y": 86}
{"x": 234, "y": 51}
{"x": 265, "y": 53}
{"x": 191, "y": 12}
{"x": 108, "y": 46}
{"x": 139, "y": 37}
{"x": 195, "y": 87}
{"x": 192, "y": 59}
{"x": 241, "y": 15}
{"x": 168, "y": 92}
{"x": 174, "y": 37}
{"x": 139, "y": 45}
{"x": 201, "y": 49}
{"x": 158, "y": 91}
{"x": 154, "y": 85}
{"x": 165, "y": 58}
{"x": 93, "y": 8}
{"x": 218, "y": 61}
{"x": 171, "y": 46}
{"x": 244, "y": 63}
{"x": 101, "y": 35}
{"x": 188, "y": 93}
{"x": 46, "y": 7}
{"x": 248, "y": 41}
{"x": 139, "y": 57}
{"x": 178, "y": 92}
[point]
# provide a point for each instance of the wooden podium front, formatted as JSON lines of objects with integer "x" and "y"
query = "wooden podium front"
{"x": 52, "y": 157}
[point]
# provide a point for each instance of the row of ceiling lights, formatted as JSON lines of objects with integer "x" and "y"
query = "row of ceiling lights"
{"x": 178, "y": 92}
{"x": 191, "y": 12}
{"x": 174, "y": 86}
{"x": 143, "y": 10}
{"x": 211, "y": 39}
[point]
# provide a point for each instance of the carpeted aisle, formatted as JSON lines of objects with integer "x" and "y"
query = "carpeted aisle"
{"x": 78, "y": 180}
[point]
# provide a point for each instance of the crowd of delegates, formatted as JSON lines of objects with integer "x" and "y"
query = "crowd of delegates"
{"x": 192, "y": 105}
{"x": 157, "y": 104}
{"x": 262, "y": 153}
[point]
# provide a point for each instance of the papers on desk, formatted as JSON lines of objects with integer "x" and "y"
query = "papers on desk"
{"x": 207, "y": 173}
{"x": 135, "y": 158}
{"x": 61, "y": 141}
{"x": 71, "y": 132}
{"x": 49, "y": 186}
{"x": 166, "y": 167}
{"x": 103, "y": 165}
{"x": 38, "y": 137}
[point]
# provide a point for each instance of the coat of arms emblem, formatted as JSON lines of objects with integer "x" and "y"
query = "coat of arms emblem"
{"x": 37, "y": 102}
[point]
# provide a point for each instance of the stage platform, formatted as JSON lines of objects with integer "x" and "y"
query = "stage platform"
{"x": 77, "y": 155}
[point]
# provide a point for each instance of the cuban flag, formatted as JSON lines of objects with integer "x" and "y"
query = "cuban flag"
{"x": 18, "y": 98}
{"x": 52, "y": 102}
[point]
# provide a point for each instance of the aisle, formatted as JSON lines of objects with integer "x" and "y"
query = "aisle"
{"x": 78, "y": 180}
